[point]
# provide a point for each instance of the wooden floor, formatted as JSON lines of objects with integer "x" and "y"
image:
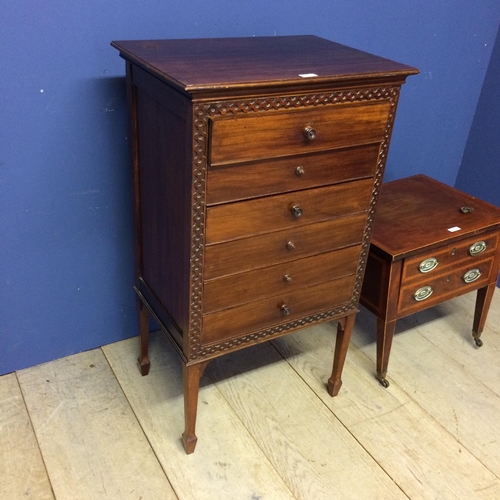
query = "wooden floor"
{"x": 89, "y": 426}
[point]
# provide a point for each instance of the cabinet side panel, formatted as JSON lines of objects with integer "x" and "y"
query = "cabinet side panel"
{"x": 164, "y": 131}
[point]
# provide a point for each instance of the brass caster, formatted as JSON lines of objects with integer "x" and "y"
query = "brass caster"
{"x": 384, "y": 383}
{"x": 478, "y": 342}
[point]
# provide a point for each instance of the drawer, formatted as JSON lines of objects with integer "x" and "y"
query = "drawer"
{"x": 246, "y": 287}
{"x": 250, "y": 180}
{"x": 440, "y": 259}
{"x": 282, "y": 246}
{"x": 444, "y": 286}
{"x": 266, "y": 313}
{"x": 245, "y": 218}
{"x": 273, "y": 134}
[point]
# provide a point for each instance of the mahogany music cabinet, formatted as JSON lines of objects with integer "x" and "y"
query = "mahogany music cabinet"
{"x": 257, "y": 164}
{"x": 430, "y": 243}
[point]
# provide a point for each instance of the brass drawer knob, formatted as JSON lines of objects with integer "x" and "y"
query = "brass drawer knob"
{"x": 477, "y": 248}
{"x": 299, "y": 171}
{"x": 423, "y": 293}
{"x": 427, "y": 265}
{"x": 472, "y": 275}
{"x": 290, "y": 245}
{"x": 285, "y": 310}
{"x": 287, "y": 278}
{"x": 309, "y": 133}
{"x": 297, "y": 211}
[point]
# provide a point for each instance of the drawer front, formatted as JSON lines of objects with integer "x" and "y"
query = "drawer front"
{"x": 246, "y": 287}
{"x": 265, "y": 313}
{"x": 296, "y": 131}
{"x": 420, "y": 294}
{"x": 462, "y": 253}
{"x": 250, "y": 180}
{"x": 238, "y": 220}
{"x": 282, "y": 246}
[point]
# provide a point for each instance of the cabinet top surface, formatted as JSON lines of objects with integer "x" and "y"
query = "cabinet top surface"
{"x": 419, "y": 212}
{"x": 216, "y": 63}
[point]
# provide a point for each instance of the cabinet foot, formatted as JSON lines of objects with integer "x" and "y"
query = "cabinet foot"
{"x": 143, "y": 360}
{"x": 144, "y": 366}
{"x": 478, "y": 341}
{"x": 189, "y": 443}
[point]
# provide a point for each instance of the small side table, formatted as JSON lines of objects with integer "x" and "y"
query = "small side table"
{"x": 430, "y": 243}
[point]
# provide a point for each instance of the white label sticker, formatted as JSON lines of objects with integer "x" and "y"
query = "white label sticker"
{"x": 453, "y": 229}
{"x": 308, "y": 75}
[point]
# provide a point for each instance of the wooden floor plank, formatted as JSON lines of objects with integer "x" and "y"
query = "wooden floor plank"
{"x": 448, "y": 326}
{"x": 227, "y": 463}
{"x": 461, "y": 403}
{"x": 311, "y": 450}
{"x": 419, "y": 455}
{"x": 91, "y": 442}
{"x": 22, "y": 472}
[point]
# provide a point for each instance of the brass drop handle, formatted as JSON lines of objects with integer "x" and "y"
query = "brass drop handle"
{"x": 472, "y": 275}
{"x": 290, "y": 245}
{"x": 285, "y": 310}
{"x": 477, "y": 248}
{"x": 287, "y": 278}
{"x": 297, "y": 211}
{"x": 309, "y": 133}
{"x": 427, "y": 265}
{"x": 423, "y": 293}
{"x": 299, "y": 171}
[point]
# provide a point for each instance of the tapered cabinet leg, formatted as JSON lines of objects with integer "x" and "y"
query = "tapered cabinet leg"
{"x": 143, "y": 360}
{"x": 344, "y": 331}
{"x": 483, "y": 302}
{"x": 191, "y": 378}
{"x": 385, "y": 334}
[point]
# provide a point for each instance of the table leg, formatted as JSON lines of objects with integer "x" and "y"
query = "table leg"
{"x": 344, "y": 331}
{"x": 191, "y": 375}
{"x": 143, "y": 360}
{"x": 483, "y": 302}
{"x": 385, "y": 334}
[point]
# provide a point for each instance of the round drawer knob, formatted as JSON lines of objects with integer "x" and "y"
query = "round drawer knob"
{"x": 423, "y": 293}
{"x": 471, "y": 275}
{"x": 297, "y": 211}
{"x": 477, "y": 248}
{"x": 287, "y": 278}
{"x": 427, "y": 265}
{"x": 285, "y": 310}
{"x": 290, "y": 245}
{"x": 309, "y": 133}
{"x": 299, "y": 171}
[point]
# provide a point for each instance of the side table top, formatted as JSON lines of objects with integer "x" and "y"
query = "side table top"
{"x": 419, "y": 212}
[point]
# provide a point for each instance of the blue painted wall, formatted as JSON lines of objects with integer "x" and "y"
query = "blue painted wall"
{"x": 479, "y": 172}
{"x": 66, "y": 259}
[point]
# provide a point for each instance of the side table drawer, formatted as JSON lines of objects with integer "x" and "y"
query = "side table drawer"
{"x": 418, "y": 295}
{"x": 438, "y": 260}
{"x": 266, "y": 313}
